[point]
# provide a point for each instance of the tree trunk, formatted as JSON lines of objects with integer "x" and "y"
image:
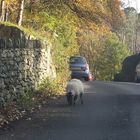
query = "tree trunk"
{"x": 2, "y": 14}
{"x": 31, "y": 5}
{"x": 6, "y": 13}
{"x": 20, "y": 15}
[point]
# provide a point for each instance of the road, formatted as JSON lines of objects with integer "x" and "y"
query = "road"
{"x": 111, "y": 111}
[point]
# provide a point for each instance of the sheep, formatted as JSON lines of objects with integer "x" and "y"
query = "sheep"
{"x": 74, "y": 89}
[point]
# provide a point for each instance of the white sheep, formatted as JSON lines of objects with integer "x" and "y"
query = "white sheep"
{"x": 74, "y": 90}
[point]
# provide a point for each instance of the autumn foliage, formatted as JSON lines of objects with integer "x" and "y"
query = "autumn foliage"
{"x": 88, "y": 27}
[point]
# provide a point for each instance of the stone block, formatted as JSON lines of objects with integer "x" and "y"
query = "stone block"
{"x": 4, "y": 53}
{"x": 10, "y": 54}
{"x": 2, "y": 85}
{"x": 2, "y": 43}
{"x": 3, "y": 75}
{"x": 9, "y": 43}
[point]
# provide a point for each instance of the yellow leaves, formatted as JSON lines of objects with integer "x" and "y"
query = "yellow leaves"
{"x": 12, "y": 4}
{"x": 84, "y": 3}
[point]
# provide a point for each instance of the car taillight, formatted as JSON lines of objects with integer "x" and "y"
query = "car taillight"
{"x": 90, "y": 77}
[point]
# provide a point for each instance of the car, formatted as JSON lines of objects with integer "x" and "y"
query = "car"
{"x": 137, "y": 73}
{"x": 80, "y": 68}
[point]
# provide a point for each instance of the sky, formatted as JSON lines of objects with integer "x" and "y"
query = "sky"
{"x": 133, "y": 3}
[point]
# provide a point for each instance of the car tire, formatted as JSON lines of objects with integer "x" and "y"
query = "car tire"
{"x": 86, "y": 79}
{"x": 136, "y": 79}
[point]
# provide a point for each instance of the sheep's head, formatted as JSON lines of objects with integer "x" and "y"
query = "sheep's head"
{"x": 72, "y": 92}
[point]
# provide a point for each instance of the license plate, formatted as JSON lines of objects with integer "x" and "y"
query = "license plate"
{"x": 76, "y": 68}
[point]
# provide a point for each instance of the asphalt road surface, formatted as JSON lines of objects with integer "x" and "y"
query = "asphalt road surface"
{"x": 111, "y": 111}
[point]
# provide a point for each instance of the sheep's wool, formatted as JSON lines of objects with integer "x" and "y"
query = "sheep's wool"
{"x": 75, "y": 86}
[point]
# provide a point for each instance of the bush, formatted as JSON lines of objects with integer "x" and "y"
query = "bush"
{"x": 28, "y": 100}
{"x": 51, "y": 87}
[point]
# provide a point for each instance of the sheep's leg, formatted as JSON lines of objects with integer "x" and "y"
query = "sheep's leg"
{"x": 75, "y": 98}
{"x": 69, "y": 98}
{"x": 81, "y": 98}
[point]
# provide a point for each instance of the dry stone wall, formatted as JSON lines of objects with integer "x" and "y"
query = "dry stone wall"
{"x": 24, "y": 63}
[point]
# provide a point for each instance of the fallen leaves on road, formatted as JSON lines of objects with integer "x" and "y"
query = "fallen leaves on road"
{"x": 14, "y": 112}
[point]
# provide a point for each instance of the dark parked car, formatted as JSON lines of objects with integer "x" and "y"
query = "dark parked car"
{"x": 137, "y": 73}
{"x": 80, "y": 68}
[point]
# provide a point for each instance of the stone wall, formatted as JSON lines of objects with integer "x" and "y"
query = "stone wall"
{"x": 24, "y": 63}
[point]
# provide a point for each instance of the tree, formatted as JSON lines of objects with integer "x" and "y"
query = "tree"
{"x": 132, "y": 29}
{"x": 2, "y": 16}
{"x": 20, "y": 14}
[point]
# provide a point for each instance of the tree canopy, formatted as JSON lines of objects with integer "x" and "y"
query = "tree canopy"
{"x": 92, "y": 28}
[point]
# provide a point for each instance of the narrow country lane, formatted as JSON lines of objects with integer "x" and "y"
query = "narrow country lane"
{"x": 111, "y": 111}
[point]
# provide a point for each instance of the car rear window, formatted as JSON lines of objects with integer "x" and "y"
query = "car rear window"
{"x": 77, "y": 60}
